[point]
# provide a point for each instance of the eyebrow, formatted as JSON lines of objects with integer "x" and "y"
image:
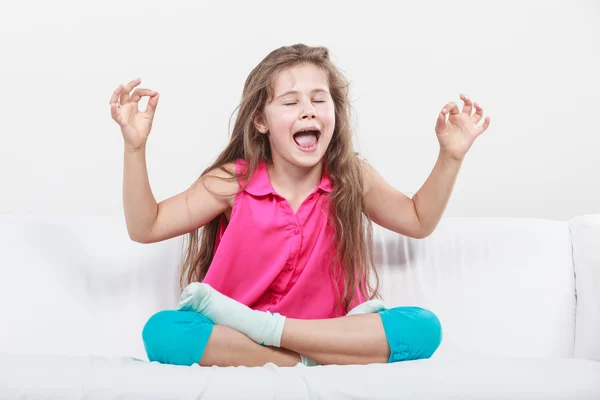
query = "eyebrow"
{"x": 296, "y": 92}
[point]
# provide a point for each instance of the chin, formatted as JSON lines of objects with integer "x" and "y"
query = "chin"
{"x": 306, "y": 160}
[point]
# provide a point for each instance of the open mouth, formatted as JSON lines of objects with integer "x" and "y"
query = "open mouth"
{"x": 307, "y": 140}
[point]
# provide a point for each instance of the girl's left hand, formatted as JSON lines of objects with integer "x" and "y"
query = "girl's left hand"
{"x": 460, "y": 131}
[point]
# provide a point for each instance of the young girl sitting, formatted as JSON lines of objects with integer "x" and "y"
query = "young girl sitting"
{"x": 282, "y": 270}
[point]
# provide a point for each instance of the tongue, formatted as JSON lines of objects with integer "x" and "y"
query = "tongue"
{"x": 306, "y": 139}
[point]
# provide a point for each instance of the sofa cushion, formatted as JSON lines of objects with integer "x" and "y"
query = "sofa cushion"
{"x": 500, "y": 286}
{"x": 79, "y": 285}
{"x": 585, "y": 233}
{"x": 470, "y": 378}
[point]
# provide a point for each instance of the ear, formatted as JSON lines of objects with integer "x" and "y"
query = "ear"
{"x": 260, "y": 124}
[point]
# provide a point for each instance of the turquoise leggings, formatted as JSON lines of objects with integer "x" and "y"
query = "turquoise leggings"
{"x": 180, "y": 337}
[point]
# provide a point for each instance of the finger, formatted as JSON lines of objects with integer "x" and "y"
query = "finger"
{"x": 440, "y": 123}
{"x": 128, "y": 88}
{"x": 115, "y": 96}
{"x": 138, "y": 93}
{"x": 152, "y": 103}
{"x": 114, "y": 112}
{"x": 484, "y": 126}
{"x": 451, "y": 108}
{"x": 468, "y": 108}
{"x": 478, "y": 114}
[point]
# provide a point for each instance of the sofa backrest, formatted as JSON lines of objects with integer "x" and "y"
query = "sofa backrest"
{"x": 585, "y": 234}
{"x": 500, "y": 286}
{"x": 79, "y": 285}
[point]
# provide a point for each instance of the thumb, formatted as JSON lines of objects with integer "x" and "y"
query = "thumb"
{"x": 152, "y": 103}
{"x": 441, "y": 122}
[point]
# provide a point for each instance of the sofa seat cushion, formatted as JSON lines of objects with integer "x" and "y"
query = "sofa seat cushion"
{"x": 474, "y": 377}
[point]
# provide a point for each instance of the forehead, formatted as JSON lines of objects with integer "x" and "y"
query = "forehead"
{"x": 302, "y": 77}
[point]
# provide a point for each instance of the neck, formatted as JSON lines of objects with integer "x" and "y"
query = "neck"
{"x": 290, "y": 179}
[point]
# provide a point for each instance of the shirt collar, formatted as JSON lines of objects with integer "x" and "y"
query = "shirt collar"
{"x": 260, "y": 185}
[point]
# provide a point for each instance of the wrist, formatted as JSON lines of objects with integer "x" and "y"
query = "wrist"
{"x": 449, "y": 158}
{"x": 134, "y": 150}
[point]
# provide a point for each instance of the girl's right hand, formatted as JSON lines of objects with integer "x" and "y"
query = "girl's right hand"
{"x": 135, "y": 125}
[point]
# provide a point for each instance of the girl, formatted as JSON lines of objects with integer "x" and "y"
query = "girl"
{"x": 285, "y": 254}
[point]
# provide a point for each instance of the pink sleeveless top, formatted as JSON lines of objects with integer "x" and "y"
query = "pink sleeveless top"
{"x": 269, "y": 258}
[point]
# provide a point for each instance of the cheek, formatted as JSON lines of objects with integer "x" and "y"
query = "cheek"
{"x": 284, "y": 119}
{"x": 280, "y": 125}
{"x": 329, "y": 118}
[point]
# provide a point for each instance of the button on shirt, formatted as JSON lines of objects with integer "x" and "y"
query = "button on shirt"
{"x": 270, "y": 258}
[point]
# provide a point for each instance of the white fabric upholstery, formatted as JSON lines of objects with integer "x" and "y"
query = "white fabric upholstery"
{"x": 585, "y": 231}
{"x": 79, "y": 285}
{"x": 500, "y": 286}
{"x": 435, "y": 379}
{"x": 75, "y": 293}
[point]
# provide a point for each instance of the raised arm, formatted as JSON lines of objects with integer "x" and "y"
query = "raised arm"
{"x": 205, "y": 199}
{"x": 147, "y": 221}
{"x": 419, "y": 216}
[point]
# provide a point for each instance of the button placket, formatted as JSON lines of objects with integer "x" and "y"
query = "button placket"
{"x": 295, "y": 241}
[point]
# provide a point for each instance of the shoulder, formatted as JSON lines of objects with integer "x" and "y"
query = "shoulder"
{"x": 368, "y": 173}
{"x": 225, "y": 171}
{"x": 221, "y": 182}
{"x": 374, "y": 185}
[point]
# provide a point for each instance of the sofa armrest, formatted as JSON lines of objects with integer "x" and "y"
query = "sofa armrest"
{"x": 585, "y": 236}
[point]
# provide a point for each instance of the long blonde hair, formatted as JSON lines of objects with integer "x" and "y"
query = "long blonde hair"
{"x": 348, "y": 214}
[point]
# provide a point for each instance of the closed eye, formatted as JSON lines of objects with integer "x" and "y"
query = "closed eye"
{"x": 291, "y": 104}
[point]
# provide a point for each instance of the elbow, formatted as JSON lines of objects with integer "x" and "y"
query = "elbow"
{"x": 142, "y": 235}
{"x": 136, "y": 237}
{"x": 420, "y": 235}
{"x": 423, "y": 231}
{"x": 423, "y": 228}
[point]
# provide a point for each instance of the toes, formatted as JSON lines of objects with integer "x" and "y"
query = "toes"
{"x": 368, "y": 307}
{"x": 189, "y": 297}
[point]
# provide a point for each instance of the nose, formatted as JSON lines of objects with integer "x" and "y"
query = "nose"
{"x": 308, "y": 112}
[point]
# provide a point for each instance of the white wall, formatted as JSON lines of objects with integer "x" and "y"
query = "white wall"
{"x": 532, "y": 65}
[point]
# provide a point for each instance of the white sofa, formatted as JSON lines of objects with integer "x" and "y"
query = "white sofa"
{"x": 519, "y": 302}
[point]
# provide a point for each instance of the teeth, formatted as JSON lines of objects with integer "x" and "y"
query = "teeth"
{"x": 309, "y": 130}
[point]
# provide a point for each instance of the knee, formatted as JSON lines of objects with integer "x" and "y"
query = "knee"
{"x": 156, "y": 327}
{"x": 412, "y": 332}
{"x": 431, "y": 330}
{"x": 176, "y": 337}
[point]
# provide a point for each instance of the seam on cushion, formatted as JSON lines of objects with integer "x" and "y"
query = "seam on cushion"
{"x": 575, "y": 290}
